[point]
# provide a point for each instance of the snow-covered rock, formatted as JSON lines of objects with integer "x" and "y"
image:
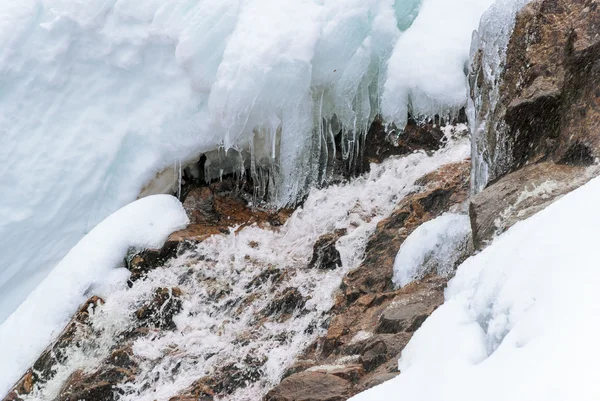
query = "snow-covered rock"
{"x": 435, "y": 246}
{"x": 90, "y": 268}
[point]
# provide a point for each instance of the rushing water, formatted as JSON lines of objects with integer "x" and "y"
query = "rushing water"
{"x": 229, "y": 281}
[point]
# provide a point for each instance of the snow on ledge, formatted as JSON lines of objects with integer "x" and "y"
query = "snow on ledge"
{"x": 521, "y": 320}
{"x": 89, "y": 267}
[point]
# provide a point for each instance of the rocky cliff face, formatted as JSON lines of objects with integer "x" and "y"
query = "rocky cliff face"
{"x": 547, "y": 113}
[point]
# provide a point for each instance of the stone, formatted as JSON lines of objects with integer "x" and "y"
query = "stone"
{"x": 310, "y": 386}
{"x": 521, "y": 194}
{"x": 160, "y": 310}
{"x": 547, "y": 108}
{"x": 289, "y": 301}
{"x": 325, "y": 255}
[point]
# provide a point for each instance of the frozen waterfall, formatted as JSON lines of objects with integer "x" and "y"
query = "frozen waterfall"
{"x": 98, "y": 97}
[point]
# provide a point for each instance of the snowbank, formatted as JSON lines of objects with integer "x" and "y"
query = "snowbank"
{"x": 88, "y": 269}
{"x": 99, "y": 96}
{"x": 521, "y": 319}
{"x": 435, "y": 246}
{"x": 427, "y": 67}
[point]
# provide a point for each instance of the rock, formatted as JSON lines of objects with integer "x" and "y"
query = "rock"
{"x": 520, "y": 194}
{"x": 376, "y": 380}
{"x": 352, "y": 373}
{"x": 96, "y": 386}
{"x": 325, "y": 255}
{"x": 285, "y": 304}
{"x": 159, "y": 311}
{"x": 199, "y": 206}
{"x": 547, "y": 108}
{"x": 139, "y": 264}
{"x": 382, "y": 143}
{"x": 409, "y": 312}
{"x": 373, "y": 354}
{"x": 310, "y": 386}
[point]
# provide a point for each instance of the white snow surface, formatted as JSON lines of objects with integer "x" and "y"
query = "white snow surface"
{"x": 90, "y": 268}
{"x": 520, "y": 320}
{"x": 428, "y": 64}
{"x": 99, "y": 96}
{"x": 435, "y": 246}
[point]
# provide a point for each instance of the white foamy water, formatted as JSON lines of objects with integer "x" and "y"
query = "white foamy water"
{"x": 222, "y": 305}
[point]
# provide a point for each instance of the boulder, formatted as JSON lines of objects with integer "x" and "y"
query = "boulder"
{"x": 520, "y": 194}
{"x": 310, "y": 386}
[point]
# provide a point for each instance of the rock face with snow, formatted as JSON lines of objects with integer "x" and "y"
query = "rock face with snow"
{"x": 535, "y": 114}
{"x": 541, "y": 102}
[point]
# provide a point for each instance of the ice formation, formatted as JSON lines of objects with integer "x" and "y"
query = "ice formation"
{"x": 223, "y": 293}
{"x": 428, "y": 64}
{"x": 490, "y": 154}
{"x": 434, "y": 247}
{"x": 90, "y": 268}
{"x": 100, "y": 96}
{"x": 520, "y": 320}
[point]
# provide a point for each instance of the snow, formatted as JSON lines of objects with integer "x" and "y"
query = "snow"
{"x": 435, "y": 246}
{"x": 520, "y": 320}
{"x": 90, "y": 268}
{"x": 428, "y": 64}
{"x": 99, "y": 97}
{"x": 211, "y": 329}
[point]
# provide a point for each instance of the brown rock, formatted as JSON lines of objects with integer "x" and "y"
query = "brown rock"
{"x": 521, "y": 194}
{"x": 159, "y": 311}
{"x": 548, "y": 96}
{"x": 310, "y": 386}
{"x": 325, "y": 255}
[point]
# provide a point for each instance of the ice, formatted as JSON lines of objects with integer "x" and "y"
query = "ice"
{"x": 520, "y": 320}
{"x": 90, "y": 268}
{"x": 103, "y": 100}
{"x": 426, "y": 71}
{"x": 490, "y": 157}
{"x": 435, "y": 246}
{"x": 221, "y": 297}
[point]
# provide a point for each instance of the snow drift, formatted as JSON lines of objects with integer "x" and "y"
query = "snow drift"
{"x": 97, "y": 97}
{"x": 90, "y": 268}
{"x": 520, "y": 321}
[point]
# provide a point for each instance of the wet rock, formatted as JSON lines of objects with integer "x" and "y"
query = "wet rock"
{"x": 310, "y": 386}
{"x": 382, "y": 143}
{"x": 289, "y": 301}
{"x": 97, "y": 386}
{"x": 521, "y": 194}
{"x": 139, "y": 264}
{"x": 272, "y": 274}
{"x": 160, "y": 310}
{"x": 325, "y": 255}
